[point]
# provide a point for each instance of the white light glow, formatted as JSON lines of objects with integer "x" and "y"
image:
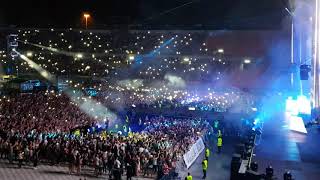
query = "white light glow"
{"x": 131, "y": 57}
{"x": 302, "y": 105}
{"x": 79, "y": 55}
{"x": 297, "y": 124}
{"x": 291, "y": 106}
{"x": 29, "y": 54}
{"x": 247, "y": 61}
{"x": 192, "y": 108}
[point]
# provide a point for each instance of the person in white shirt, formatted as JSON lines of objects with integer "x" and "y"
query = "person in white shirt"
{"x": 117, "y": 170}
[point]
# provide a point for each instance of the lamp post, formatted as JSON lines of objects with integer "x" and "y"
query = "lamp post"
{"x": 86, "y": 16}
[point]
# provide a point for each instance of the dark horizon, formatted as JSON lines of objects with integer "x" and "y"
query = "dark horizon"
{"x": 180, "y": 14}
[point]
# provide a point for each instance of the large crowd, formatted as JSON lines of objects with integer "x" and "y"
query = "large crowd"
{"x": 142, "y": 70}
{"x": 41, "y": 112}
{"x": 44, "y": 127}
{"x": 140, "y": 67}
{"x": 144, "y": 54}
{"x": 153, "y": 152}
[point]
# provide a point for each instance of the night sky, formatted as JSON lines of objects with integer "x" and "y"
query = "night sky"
{"x": 216, "y": 14}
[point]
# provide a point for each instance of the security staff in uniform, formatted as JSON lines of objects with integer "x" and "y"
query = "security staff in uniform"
{"x": 219, "y": 144}
{"x": 207, "y": 153}
{"x": 204, "y": 168}
{"x": 189, "y": 177}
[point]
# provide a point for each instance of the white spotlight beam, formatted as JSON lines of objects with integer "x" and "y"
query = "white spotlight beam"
{"x": 55, "y": 50}
{"x": 315, "y": 95}
{"x": 44, "y": 73}
{"x": 90, "y": 107}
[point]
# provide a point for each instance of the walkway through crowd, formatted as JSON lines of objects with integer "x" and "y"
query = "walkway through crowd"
{"x": 218, "y": 164}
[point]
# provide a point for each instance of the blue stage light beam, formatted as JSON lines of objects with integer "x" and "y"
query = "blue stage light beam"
{"x": 140, "y": 58}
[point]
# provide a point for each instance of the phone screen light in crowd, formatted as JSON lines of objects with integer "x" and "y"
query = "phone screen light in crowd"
{"x": 192, "y": 108}
{"x": 247, "y": 61}
{"x": 254, "y": 109}
{"x": 131, "y": 57}
{"x": 220, "y": 51}
{"x": 186, "y": 59}
{"x": 29, "y": 54}
{"x": 79, "y": 55}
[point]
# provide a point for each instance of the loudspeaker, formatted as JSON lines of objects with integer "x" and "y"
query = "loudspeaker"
{"x": 304, "y": 72}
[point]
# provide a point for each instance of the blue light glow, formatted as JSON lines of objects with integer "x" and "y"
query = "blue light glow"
{"x": 300, "y": 106}
{"x": 292, "y": 106}
{"x": 304, "y": 105}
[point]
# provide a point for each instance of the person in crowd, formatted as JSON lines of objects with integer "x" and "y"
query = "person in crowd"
{"x": 219, "y": 144}
{"x": 207, "y": 153}
{"x": 204, "y": 168}
{"x": 130, "y": 170}
{"x": 78, "y": 163}
{"x": 20, "y": 158}
{"x": 52, "y": 137}
{"x": 117, "y": 169}
{"x": 189, "y": 177}
{"x": 219, "y": 133}
{"x": 35, "y": 158}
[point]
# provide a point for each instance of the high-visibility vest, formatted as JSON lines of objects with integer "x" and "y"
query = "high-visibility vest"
{"x": 219, "y": 143}
{"x": 205, "y": 164}
{"x": 207, "y": 153}
{"x": 189, "y": 177}
{"x": 77, "y": 132}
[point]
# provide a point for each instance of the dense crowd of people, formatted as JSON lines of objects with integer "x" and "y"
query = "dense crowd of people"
{"x": 153, "y": 152}
{"x": 42, "y": 112}
{"x": 144, "y": 70}
{"x": 143, "y": 67}
{"x": 141, "y": 54}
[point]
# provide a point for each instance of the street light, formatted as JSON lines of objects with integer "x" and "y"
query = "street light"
{"x": 86, "y": 16}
